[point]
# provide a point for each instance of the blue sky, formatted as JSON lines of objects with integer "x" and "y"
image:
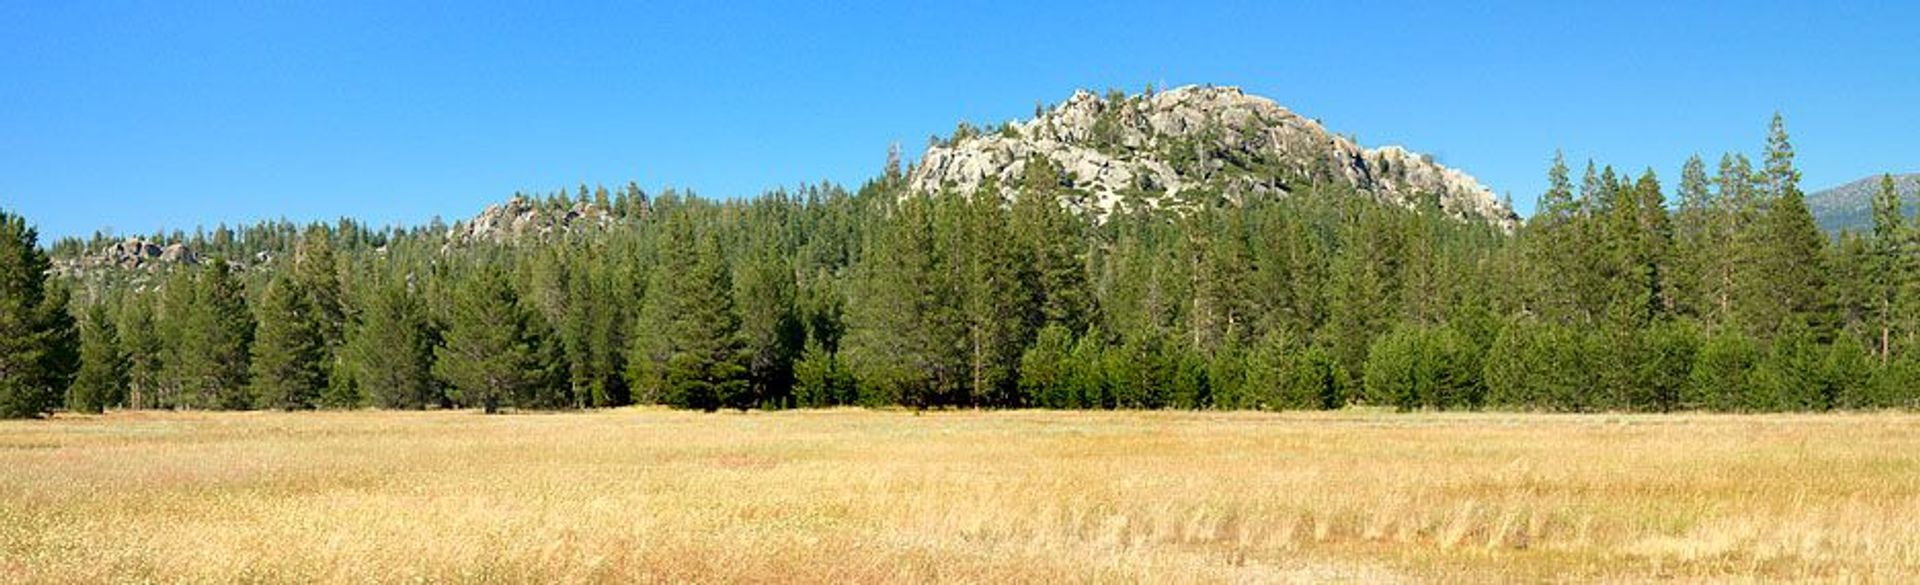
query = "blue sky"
{"x": 139, "y": 115}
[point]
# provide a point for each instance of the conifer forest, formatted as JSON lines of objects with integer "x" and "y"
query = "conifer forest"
{"x": 1714, "y": 290}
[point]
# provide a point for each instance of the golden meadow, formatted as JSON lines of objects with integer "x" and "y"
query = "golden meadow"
{"x": 964, "y": 496}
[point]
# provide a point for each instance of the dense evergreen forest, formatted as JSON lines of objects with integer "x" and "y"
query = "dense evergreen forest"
{"x": 1613, "y": 296}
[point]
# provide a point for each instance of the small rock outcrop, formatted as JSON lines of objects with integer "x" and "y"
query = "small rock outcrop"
{"x": 129, "y": 254}
{"x": 1164, "y": 149}
{"x": 521, "y": 217}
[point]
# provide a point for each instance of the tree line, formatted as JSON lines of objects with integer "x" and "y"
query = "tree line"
{"x": 1616, "y": 295}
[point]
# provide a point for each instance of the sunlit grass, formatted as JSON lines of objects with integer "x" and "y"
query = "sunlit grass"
{"x": 858, "y": 496}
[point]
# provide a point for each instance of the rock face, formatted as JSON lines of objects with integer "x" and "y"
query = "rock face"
{"x": 1176, "y": 147}
{"x": 519, "y": 218}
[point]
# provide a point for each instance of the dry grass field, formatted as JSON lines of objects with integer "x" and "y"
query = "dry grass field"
{"x": 859, "y": 496}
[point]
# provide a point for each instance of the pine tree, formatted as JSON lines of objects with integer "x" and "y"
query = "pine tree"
{"x": 1186, "y": 383}
{"x": 770, "y": 330}
{"x": 1850, "y": 289}
{"x": 36, "y": 333}
{"x": 1221, "y": 256}
{"x": 549, "y": 292}
{"x": 1737, "y": 238}
{"x": 549, "y": 388}
{"x": 215, "y": 344}
{"x": 1888, "y": 274}
{"x": 492, "y": 355}
{"x": 1780, "y": 272}
{"x": 61, "y": 360}
{"x": 1088, "y": 378}
{"x": 1140, "y": 370}
{"x": 1045, "y": 368}
{"x": 1847, "y": 374}
{"x": 140, "y": 344}
{"x": 102, "y": 380}
{"x": 820, "y": 379}
{"x": 906, "y": 339}
{"x": 1290, "y": 266}
{"x": 1313, "y": 380}
{"x": 1227, "y": 376}
{"x": 177, "y": 311}
{"x": 1267, "y": 374}
{"x": 1896, "y": 384}
{"x": 317, "y": 276}
{"x": 1781, "y": 176}
{"x": 1668, "y": 352}
{"x": 174, "y": 310}
{"x": 289, "y": 349}
{"x": 1593, "y": 197}
{"x": 1541, "y": 365}
{"x": 1552, "y": 246}
{"x": 822, "y": 310}
{"x": 688, "y": 352}
{"x": 1423, "y": 366}
{"x": 573, "y": 286}
{"x": 1695, "y": 240}
{"x": 1055, "y": 241}
{"x": 602, "y": 318}
{"x": 1363, "y": 283}
{"x": 998, "y": 295}
{"x": 1723, "y": 373}
{"x": 1654, "y": 252}
{"x": 1423, "y": 270}
{"x": 1557, "y": 203}
{"x": 1790, "y": 375}
{"x": 1415, "y": 366}
{"x": 390, "y": 350}
{"x": 1793, "y": 269}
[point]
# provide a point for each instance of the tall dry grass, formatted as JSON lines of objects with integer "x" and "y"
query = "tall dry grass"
{"x": 856, "y": 496}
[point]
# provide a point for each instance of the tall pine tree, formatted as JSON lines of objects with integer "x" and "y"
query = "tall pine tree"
{"x": 906, "y": 339}
{"x": 770, "y": 329}
{"x": 140, "y": 343}
{"x": 35, "y": 330}
{"x": 289, "y": 349}
{"x": 390, "y": 349}
{"x": 687, "y": 349}
{"x": 102, "y": 380}
{"x": 215, "y": 345}
{"x": 1792, "y": 262}
{"x": 1888, "y": 267}
{"x": 493, "y": 355}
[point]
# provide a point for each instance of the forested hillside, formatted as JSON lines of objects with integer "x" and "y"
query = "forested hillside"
{"x": 1609, "y": 298}
{"x": 1849, "y": 207}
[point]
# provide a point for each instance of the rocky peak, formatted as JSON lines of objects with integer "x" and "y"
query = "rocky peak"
{"x": 1165, "y": 149}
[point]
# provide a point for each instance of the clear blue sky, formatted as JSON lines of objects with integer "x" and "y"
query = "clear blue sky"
{"x": 141, "y": 115}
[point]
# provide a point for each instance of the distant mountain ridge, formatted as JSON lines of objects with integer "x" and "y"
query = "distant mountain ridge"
{"x": 1849, "y": 207}
{"x": 1162, "y": 149}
